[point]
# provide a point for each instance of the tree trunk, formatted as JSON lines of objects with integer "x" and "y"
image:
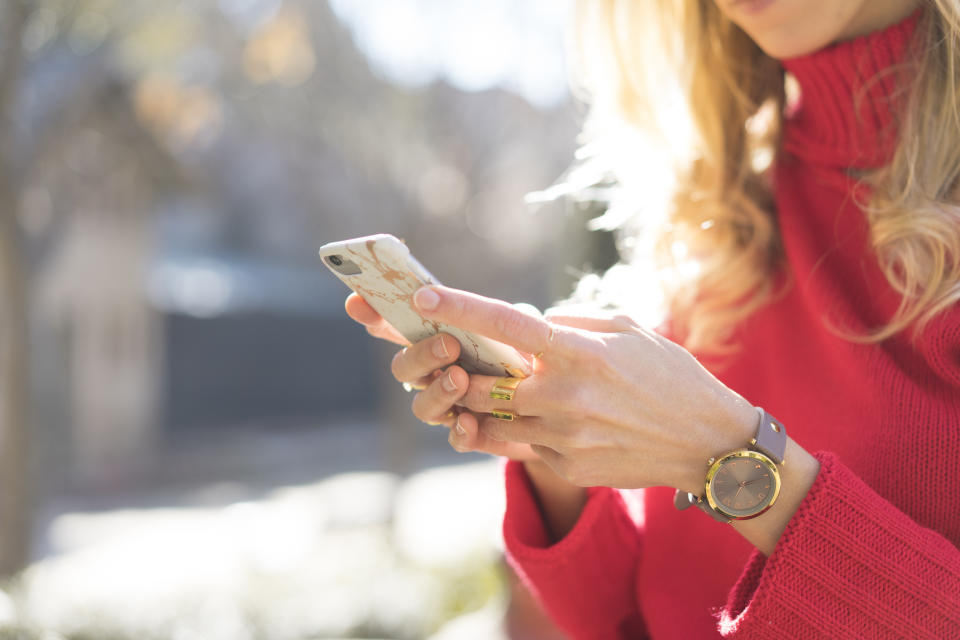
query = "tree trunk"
{"x": 14, "y": 435}
{"x": 14, "y": 503}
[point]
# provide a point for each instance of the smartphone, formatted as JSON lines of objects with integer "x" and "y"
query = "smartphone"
{"x": 381, "y": 269}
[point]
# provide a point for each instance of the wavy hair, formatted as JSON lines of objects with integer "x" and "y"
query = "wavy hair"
{"x": 679, "y": 81}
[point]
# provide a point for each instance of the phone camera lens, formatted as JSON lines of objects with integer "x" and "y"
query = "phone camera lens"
{"x": 336, "y": 261}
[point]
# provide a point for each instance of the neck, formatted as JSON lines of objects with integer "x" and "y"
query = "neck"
{"x": 851, "y": 94}
{"x": 874, "y": 15}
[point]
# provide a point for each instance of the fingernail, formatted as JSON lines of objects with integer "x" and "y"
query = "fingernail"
{"x": 460, "y": 430}
{"x": 448, "y": 382}
{"x": 426, "y": 298}
{"x": 440, "y": 349}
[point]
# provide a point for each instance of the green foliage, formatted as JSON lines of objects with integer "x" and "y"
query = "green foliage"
{"x": 19, "y": 633}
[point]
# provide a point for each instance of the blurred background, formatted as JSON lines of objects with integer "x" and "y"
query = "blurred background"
{"x": 195, "y": 441}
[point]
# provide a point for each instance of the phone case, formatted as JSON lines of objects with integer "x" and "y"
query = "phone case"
{"x": 387, "y": 279}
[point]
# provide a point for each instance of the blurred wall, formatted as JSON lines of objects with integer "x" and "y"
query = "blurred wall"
{"x": 176, "y": 167}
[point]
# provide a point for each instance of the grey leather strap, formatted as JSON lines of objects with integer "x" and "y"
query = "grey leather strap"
{"x": 770, "y": 440}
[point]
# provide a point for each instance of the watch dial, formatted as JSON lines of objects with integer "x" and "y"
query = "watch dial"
{"x": 743, "y": 486}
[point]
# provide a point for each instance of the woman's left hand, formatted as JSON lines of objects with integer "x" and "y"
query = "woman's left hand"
{"x": 610, "y": 403}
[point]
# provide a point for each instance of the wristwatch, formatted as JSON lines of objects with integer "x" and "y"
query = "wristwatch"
{"x": 744, "y": 483}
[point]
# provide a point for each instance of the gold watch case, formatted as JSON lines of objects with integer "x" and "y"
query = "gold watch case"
{"x": 736, "y": 471}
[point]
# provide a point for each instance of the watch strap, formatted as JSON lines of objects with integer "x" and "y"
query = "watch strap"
{"x": 771, "y": 438}
{"x": 710, "y": 511}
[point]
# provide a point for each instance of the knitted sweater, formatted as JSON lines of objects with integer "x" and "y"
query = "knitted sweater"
{"x": 872, "y": 550}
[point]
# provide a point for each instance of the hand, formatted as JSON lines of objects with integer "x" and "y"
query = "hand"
{"x": 426, "y": 364}
{"x": 610, "y": 403}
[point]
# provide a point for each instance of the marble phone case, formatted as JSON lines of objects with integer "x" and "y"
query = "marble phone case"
{"x": 381, "y": 269}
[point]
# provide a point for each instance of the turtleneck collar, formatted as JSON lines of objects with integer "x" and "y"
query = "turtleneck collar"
{"x": 850, "y": 98}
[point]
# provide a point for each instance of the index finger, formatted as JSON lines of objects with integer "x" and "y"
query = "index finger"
{"x": 361, "y": 311}
{"x": 488, "y": 317}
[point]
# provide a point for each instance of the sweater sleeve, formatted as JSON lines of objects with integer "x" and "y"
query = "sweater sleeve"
{"x": 586, "y": 580}
{"x": 848, "y": 565}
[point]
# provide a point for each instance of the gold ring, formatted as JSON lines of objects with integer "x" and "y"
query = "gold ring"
{"x": 411, "y": 387}
{"x": 446, "y": 416}
{"x": 504, "y": 388}
{"x": 509, "y": 416}
{"x": 550, "y": 338}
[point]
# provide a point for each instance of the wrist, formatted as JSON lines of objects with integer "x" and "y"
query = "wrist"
{"x": 799, "y": 472}
{"x": 544, "y": 477}
{"x": 560, "y": 501}
{"x": 730, "y": 429}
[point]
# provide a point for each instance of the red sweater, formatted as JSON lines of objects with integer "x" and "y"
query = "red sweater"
{"x": 872, "y": 550}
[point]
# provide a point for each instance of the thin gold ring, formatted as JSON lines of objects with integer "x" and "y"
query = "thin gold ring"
{"x": 504, "y": 388}
{"x": 550, "y": 338}
{"x": 501, "y": 414}
{"x": 408, "y": 387}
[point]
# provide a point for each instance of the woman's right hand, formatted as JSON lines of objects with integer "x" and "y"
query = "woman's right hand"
{"x": 428, "y": 365}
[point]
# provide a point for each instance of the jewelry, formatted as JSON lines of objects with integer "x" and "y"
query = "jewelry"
{"x": 446, "y": 416}
{"x": 550, "y": 337}
{"x": 411, "y": 387}
{"x": 507, "y": 415}
{"x": 504, "y": 388}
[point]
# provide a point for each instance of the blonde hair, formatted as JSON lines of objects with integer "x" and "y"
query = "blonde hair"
{"x": 707, "y": 102}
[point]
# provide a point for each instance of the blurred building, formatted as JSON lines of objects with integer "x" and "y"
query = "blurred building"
{"x": 98, "y": 341}
{"x": 186, "y": 162}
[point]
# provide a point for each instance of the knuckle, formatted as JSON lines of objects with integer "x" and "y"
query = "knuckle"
{"x": 572, "y": 345}
{"x": 491, "y": 428}
{"x": 417, "y": 407}
{"x": 575, "y": 403}
{"x": 475, "y": 395}
{"x": 590, "y": 360}
{"x": 453, "y": 306}
{"x": 623, "y": 321}
{"x": 455, "y": 442}
{"x": 424, "y": 407}
{"x": 396, "y": 364}
{"x": 510, "y": 321}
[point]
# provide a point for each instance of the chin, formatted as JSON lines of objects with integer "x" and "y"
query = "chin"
{"x": 792, "y": 45}
{"x": 791, "y": 28}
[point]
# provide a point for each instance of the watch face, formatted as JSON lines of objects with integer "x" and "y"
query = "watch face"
{"x": 743, "y": 484}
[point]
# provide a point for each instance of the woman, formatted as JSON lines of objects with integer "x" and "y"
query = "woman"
{"x": 825, "y": 224}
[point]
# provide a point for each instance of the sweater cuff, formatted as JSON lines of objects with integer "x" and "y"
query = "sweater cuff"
{"x": 588, "y": 575}
{"x": 524, "y": 529}
{"x": 848, "y": 565}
